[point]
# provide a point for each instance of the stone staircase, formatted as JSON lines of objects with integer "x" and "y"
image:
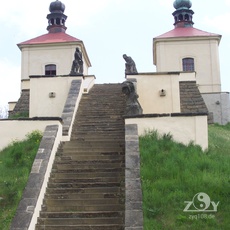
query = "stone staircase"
{"x": 86, "y": 188}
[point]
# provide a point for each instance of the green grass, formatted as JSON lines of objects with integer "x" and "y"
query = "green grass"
{"x": 24, "y": 114}
{"x": 15, "y": 164}
{"x": 173, "y": 173}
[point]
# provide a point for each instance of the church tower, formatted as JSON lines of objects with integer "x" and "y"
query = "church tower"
{"x": 49, "y": 64}
{"x": 186, "y": 48}
{"x": 52, "y": 54}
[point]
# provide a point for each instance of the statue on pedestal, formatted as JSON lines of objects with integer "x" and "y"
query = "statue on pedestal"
{"x": 130, "y": 66}
{"x": 77, "y": 65}
{"x": 133, "y": 106}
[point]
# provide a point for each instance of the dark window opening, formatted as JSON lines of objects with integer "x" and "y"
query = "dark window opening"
{"x": 52, "y": 21}
{"x": 188, "y": 64}
{"x": 58, "y": 21}
{"x": 180, "y": 17}
{"x": 186, "y": 17}
{"x": 50, "y": 70}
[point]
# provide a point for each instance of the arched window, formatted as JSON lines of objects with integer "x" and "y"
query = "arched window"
{"x": 180, "y": 17}
{"x": 186, "y": 17}
{"x": 50, "y": 70}
{"x": 188, "y": 64}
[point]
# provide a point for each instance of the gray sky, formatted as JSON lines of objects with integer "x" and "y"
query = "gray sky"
{"x": 108, "y": 28}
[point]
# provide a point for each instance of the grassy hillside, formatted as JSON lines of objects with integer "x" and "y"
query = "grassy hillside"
{"x": 15, "y": 165}
{"x": 173, "y": 173}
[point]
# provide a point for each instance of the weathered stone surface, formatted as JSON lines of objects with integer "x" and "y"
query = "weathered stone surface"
{"x": 68, "y": 111}
{"x": 132, "y": 161}
{"x": 191, "y": 99}
{"x": 22, "y": 104}
{"x": 30, "y": 195}
{"x": 133, "y": 193}
{"x": 133, "y": 218}
{"x": 86, "y": 187}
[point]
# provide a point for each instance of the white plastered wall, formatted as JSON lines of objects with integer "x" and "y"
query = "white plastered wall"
{"x": 183, "y": 129}
{"x": 44, "y": 105}
{"x": 149, "y": 87}
{"x": 35, "y": 57}
{"x": 168, "y": 55}
{"x": 18, "y": 129}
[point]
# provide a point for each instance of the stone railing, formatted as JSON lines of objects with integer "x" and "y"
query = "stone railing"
{"x": 32, "y": 198}
{"x": 133, "y": 192}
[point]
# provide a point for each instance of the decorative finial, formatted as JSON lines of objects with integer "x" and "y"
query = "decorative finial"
{"x": 56, "y": 18}
{"x": 183, "y": 14}
{"x": 182, "y": 4}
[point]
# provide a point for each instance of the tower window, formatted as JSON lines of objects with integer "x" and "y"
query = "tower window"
{"x": 188, "y": 64}
{"x": 186, "y": 17}
{"x": 58, "y": 21}
{"x": 50, "y": 70}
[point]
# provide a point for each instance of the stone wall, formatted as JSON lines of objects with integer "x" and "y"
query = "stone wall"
{"x": 32, "y": 197}
{"x": 133, "y": 192}
{"x": 22, "y": 106}
{"x": 219, "y": 105}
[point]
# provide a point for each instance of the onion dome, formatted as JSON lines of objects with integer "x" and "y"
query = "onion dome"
{"x": 56, "y": 18}
{"x": 183, "y": 14}
{"x": 182, "y": 4}
{"x": 57, "y": 7}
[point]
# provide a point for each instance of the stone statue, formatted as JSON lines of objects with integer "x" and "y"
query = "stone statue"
{"x": 77, "y": 66}
{"x": 133, "y": 106}
{"x": 130, "y": 66}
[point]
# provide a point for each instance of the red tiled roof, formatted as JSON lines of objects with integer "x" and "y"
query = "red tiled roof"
{"x": 50, "y": 38}
{"x": 186, "y": 32}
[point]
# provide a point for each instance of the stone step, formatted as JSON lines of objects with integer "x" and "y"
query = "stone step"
{"x": 80, "y": 221}
{"x": 84, "y": 185}
{"x": 87, "y": 170}
{"x": 84, "y": 180}
{"x": 84, "y": 208}
{"x": 99, "y": 135}
{"x": 90, "y": 157}
{"x": 74, "y": 196}
{"x": 81, "y": 202}
{"x": 96, "y": 190}
{"x": 98, "y": 227}
{"x": 97, "y": 163}
{"x": 91, "y": 144}
{"x": 92, "y": 137}
{"x": 81, "y": 214}
{"x": 86, "y": 175}
{"x": 94, "y": 142}
{"x": 100, "y": 127}
{"x": 102, "y": 167}
{"x": 91, "y": 147}
{"x": 88, "y": 161}
{"x": 70, "y": 153}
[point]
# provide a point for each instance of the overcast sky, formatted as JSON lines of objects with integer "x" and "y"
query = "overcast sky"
{"x": 108, "y": 28}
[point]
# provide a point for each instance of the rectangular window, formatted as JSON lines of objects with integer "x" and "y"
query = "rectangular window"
{"x": 188, "y": 64}
{"x": 50, "y": 70}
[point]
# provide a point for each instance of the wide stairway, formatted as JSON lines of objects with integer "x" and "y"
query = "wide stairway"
{"x": 86, "y": 187}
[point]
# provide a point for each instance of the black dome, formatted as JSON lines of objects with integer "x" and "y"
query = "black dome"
{"x": 57, "y": 6}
